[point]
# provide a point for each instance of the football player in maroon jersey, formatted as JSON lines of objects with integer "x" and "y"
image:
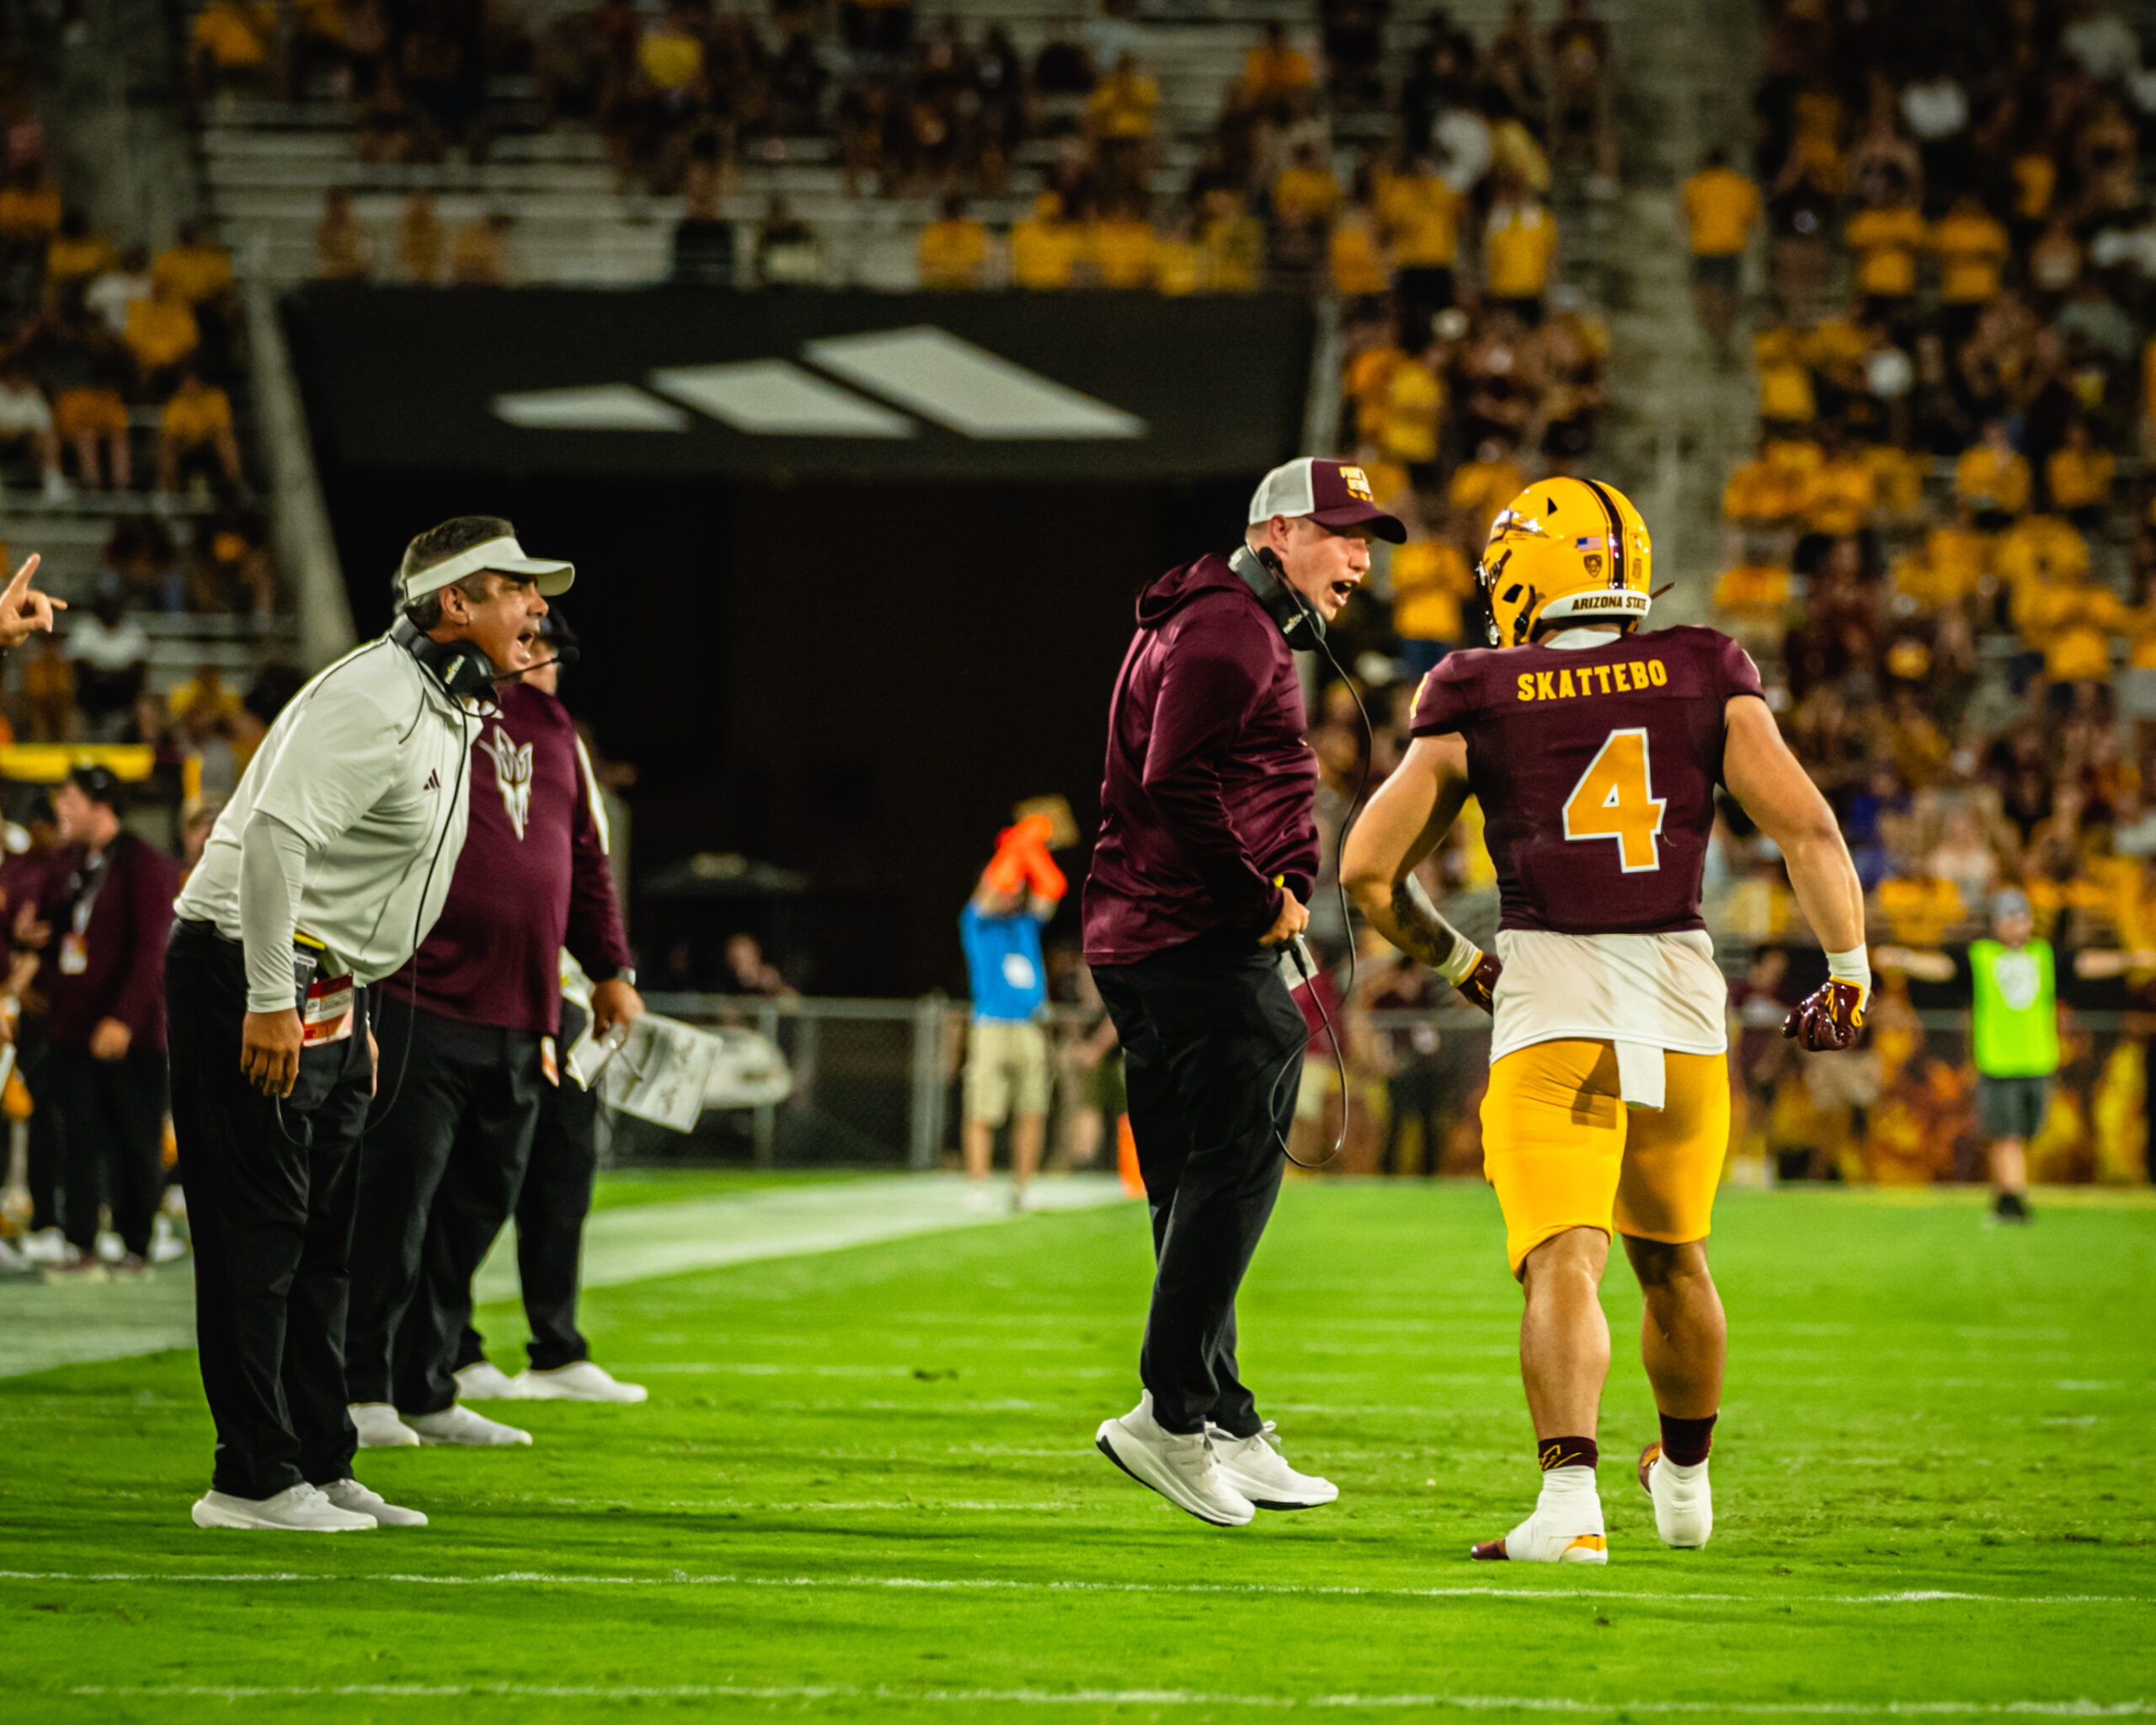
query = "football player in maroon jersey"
{"x": 1595, "y": 752}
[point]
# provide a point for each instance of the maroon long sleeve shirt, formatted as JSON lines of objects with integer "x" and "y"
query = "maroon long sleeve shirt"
{"x": 533, "y": 879}
{"x": 1208, "y": 795}
{"x": 113, "y": 965}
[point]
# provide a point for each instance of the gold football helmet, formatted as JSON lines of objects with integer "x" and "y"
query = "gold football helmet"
{"x": 1565, "y": 552}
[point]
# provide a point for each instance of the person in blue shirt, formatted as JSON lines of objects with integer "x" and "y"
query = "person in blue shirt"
{"x": 1006, "y": 1075}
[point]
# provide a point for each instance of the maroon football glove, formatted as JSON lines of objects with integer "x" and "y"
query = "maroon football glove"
{"x": 1831, "y": 1017}
{"x": 1480, "y": 984}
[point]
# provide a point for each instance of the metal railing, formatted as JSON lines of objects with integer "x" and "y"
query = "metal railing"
{"x": 878, "y": 1082}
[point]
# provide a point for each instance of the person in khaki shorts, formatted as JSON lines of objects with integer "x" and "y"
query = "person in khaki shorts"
{"x": 1007, "y": 1076}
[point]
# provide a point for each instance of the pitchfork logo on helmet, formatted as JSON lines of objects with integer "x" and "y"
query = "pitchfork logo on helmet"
{"x": 1565, "y": 552}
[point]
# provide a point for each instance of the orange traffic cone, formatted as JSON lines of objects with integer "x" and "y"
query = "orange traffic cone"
{"x": 1126, "y": 1158}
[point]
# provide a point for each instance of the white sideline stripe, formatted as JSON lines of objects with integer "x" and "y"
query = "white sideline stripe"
{"x": 539, "y": 1577}
{"x": 641, "y": 1241}
{"x": 2080, "y": 1709}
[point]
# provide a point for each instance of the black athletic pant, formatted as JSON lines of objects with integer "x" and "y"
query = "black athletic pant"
{"x": 1213, "y": 1051}
{"x": 113, "y": 1113}
{"x": 445, "y": 1155}
{"x": 270, "y": 1188}
{"x": 550, "y": 1216}
{"x": 47, "y": 1145}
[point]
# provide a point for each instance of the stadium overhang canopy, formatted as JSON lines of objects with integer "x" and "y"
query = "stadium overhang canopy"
{"x": 659, "y": 382}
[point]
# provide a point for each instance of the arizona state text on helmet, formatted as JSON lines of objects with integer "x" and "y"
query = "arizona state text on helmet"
{"x": 1565, "y": 552}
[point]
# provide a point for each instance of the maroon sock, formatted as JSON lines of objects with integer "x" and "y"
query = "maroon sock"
{"x": 1687, "y": 1441}
{"x": 1567, "y": 1452}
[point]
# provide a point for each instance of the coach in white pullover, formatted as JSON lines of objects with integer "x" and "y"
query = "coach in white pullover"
{"x": 322, "y": 875}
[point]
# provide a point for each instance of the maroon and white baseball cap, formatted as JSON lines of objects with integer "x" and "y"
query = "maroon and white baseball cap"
{"x": 1332, "y": 494}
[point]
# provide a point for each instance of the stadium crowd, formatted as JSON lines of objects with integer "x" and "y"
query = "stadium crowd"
{"x": 1943, "y": 548}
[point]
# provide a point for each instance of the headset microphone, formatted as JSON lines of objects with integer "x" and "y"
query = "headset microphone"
{"x": 566, "y": 654}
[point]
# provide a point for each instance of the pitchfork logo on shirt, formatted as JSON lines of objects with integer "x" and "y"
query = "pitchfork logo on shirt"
{"x": 512, "y": 775}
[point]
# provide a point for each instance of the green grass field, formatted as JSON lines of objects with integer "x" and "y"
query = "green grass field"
{"x": 864, "y": 1487}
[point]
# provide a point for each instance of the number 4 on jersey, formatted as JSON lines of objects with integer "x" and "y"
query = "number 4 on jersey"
{"x": 1615, "y": 799}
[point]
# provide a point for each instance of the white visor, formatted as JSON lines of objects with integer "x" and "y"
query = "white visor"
{"x": 504, "y": 556}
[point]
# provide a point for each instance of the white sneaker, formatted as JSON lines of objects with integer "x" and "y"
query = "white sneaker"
{"x": 380, "y": 1428}
{"x": 1564, "y": 1528}
{"x": 1683, "y": 1501}
{"x": 581, "y": 1381}
{"x": 978, "y": 1200}
{"x": 350, "y": 1494}
{"x": 110, "y": 1247}
{"x": 11, "y": 1259}
{"x": 165, "y": 1244}
{"x": 1255, "y": 1467}
{"x": 46, "y": 1245}
{"x": 461, "y": 1425}
{"x": 1180, "y": 1468}
{"x": 295, "y": 1509}
{"x": 485, "y": 1381}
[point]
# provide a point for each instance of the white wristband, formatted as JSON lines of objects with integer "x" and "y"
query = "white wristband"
{"x": 1852, "y": 966}
{"x": 1465, "y": 956}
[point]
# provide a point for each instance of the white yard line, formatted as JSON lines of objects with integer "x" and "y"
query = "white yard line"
{"x": 905, "y": 1584}
{"x": 2081, "y": 1709}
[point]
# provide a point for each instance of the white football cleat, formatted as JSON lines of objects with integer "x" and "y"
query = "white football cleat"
{"x": 350, "y": 1494}
{"x": 295, "y": 1509}
{"x": 461, "y": 1425}
{"x": 578, "y": 1381}
{"x": 1564, "y": 1528}
{"x": 1255, "y": 1467}
{"x": 485, "y": 1381}
{"x": 1180, "y": 1467}
{"x": 1683, "y": 1501}
{"x": 380, "y": 1428}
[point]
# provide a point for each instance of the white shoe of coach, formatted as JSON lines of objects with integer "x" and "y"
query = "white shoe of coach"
{"x": 1180, "y": 1467}
{"x": 580, "y": 1380}
{"x": 1255, "y": 1466}
{"x": 380, "y": 1427}
{"x": 485, "y": 1381}
{"x": 295, "y": 1509}
{"x": 350, "y": 1494}
{"x": 461, "y": 1425}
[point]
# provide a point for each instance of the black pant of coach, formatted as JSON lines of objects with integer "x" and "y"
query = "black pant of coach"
{"x": 444, "y": 1161}
{"x": 551, "y": 1210}
{"x": 270, "y": 1188}
{"x": 1213, "y": 1052}
{"x": 113, "y": 1116}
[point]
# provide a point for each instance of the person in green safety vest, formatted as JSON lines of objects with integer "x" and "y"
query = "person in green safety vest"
{"x": 2012, "y": 993}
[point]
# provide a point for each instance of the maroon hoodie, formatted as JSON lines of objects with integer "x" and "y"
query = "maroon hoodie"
{"x": 1208, "y": 793}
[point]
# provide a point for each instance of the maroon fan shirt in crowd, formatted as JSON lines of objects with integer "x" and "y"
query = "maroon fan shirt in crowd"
{"x": 1596, "y": 770}
{"x": 1209, "y": 790}
{"x": 519, "y": 895}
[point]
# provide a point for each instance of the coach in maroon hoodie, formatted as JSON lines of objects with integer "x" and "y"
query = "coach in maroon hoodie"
{"x": 1207, "y": 849}
{"x": 467, "y": 1037}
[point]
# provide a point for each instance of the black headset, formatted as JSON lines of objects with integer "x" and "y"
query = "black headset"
{"x": 1297, "y": 618}
{"x": 1298, "y": 621}
{"x": 459, "y": 667}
